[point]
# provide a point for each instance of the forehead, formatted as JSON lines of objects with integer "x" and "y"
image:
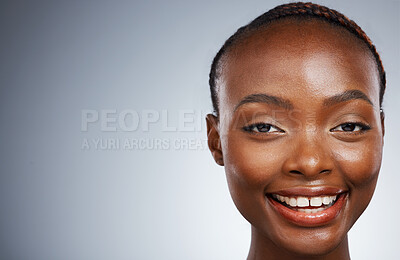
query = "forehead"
{"x": 292, "y": 57}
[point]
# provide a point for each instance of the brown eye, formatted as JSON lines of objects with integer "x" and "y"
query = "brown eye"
{"x": 351, "y": 127}
{"x": 261, "y": 128}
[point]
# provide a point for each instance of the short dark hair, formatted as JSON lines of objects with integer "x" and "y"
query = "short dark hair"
{"x": 298, "y": 10}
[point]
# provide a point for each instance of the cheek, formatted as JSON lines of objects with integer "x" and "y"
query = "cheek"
{"x": 250, "y": 163}
{"x": 359, "y": 166}
{"x": 360, "y": 163}
{"x": 249, "y": 168}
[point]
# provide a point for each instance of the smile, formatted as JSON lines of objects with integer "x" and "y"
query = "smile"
{"x": 306, "y": 205}
{"x": 311, "y": 208}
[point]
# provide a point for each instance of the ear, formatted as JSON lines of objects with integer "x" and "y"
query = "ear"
{"x": 383, "y": 122}
{"x": 214, "y": 141}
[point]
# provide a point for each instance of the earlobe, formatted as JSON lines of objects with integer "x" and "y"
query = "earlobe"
{"x": 383, "y": 122}
{"x": 214, "y": 141}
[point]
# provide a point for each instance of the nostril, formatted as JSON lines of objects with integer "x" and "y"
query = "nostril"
{"x": 299, "y": 172}
{"x": 325, "y": 171}
{"x": 295, "y": 172}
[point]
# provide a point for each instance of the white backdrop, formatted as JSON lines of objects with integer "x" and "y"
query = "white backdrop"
{"x": 110, "y": 191}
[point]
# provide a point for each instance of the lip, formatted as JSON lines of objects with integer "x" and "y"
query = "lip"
{"x": 310, "y": 219}
{"x": 309, "y": 191}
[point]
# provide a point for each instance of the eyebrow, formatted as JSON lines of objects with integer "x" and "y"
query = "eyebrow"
{"x": 264, "y": 98}
{"x": 346, "y": 96}
{"x": 286, "y": 104}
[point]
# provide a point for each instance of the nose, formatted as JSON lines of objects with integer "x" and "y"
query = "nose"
{"x": 309, "y": 157}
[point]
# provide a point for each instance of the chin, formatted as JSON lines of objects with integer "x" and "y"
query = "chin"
{"x": 299, "y": 238}
{"x": 310, "y": 243}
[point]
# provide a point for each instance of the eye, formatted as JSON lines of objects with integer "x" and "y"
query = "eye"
{"x": 351, "y": 127}
{"x": 261, "y": 128}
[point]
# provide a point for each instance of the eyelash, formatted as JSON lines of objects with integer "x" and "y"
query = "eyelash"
{"x": 250, "y": 128}
{"x": 363, "y": 128}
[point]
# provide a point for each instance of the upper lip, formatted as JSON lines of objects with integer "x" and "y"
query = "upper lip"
{"x": 309, "y": 191}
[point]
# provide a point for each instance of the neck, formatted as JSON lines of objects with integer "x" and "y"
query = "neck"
{"x": 262, "y": 248}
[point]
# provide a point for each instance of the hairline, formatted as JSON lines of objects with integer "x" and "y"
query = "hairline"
{"x": 249, "y": 32}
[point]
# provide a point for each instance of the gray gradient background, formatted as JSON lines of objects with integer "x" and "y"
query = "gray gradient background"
{"x": 58, "y": 201}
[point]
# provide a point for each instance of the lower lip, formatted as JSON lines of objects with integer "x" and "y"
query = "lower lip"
{"x": 310, "y": 219}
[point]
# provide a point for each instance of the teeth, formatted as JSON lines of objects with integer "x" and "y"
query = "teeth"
{"x": 316, "y": 201}
{"x": 293, "y": 202}
{"x": 311, "y": 210}
{"x": 287, "y": 199}
{"x": 305, "y": 202}
{"x": 302, "y": 202}
{"x": 328, "y": 199}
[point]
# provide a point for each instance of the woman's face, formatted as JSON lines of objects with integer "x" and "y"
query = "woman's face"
{"x": 299, "y": 122}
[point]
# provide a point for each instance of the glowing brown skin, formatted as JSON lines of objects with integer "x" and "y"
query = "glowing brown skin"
{"x": 303, "y": 63}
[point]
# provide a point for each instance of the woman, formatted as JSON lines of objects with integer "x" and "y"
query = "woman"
{"x": 299, "y": 128}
